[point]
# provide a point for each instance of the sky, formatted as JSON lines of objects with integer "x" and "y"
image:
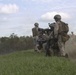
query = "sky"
{"x": 19, "y": 16}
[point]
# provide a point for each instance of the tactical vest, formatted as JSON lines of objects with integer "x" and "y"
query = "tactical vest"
{"x": 63, "y": 30}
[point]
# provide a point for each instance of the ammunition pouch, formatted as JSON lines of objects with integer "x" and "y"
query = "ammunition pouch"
{"x": 65, "y": 37}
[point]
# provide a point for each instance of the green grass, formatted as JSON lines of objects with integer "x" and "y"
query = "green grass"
{"x": 31, "y": 63}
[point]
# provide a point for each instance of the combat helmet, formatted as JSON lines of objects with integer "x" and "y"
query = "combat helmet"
{"x": 36, "y": 24}
{"x": 57, "y": 17}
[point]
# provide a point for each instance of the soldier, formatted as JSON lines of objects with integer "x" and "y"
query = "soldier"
{"x": 51, "y": 44}
{"x": 60, "y": 32}
{"x": 35, "y": 35}
{"x": 42, "y": 38}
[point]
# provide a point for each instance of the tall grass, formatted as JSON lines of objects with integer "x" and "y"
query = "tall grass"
{"x": 31, "y": 63}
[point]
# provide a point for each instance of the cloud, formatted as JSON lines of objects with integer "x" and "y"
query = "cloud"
{"x": 5, "y": 18}
{"x": 43, "y": 0}
{"x": 40, "y": 0}
{"x": 49, "y": 16}
{"x": 8, "y": 9}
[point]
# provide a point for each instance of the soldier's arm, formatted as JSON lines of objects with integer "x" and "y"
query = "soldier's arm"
{"x": 56, "y": 28}
{"x": 32, "y": 31}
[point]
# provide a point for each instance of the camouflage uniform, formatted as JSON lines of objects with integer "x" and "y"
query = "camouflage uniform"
{"x": 42, "y": 38}
{"x": 57, "y": 33}
{"x": 35, "y": 35}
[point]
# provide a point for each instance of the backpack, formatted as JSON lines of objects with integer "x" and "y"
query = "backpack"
{"x": 65, "y": 38}
{"x": 65, "y": 29}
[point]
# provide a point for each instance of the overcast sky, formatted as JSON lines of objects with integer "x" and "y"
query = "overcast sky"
{"x": 19, "y": 16}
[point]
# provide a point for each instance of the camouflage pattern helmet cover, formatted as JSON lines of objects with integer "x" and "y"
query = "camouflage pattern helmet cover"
{"x": 36, "y": 24}
{"x": 57, "y": 17}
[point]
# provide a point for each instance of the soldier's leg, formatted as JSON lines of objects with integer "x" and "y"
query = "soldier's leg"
{"x": 35, "y": 43}
{"x": 61, "y": 46}
{"x": 48, "y": 50}
{"x": 40, "y": 46}
{"x": 62, "y": 49}
{"x": 44, "y": 45}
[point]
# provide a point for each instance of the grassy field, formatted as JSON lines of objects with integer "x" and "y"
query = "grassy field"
{"x": 31, "y": 63}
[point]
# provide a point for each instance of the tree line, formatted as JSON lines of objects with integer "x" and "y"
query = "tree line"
{"x": 15, "y": 43}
